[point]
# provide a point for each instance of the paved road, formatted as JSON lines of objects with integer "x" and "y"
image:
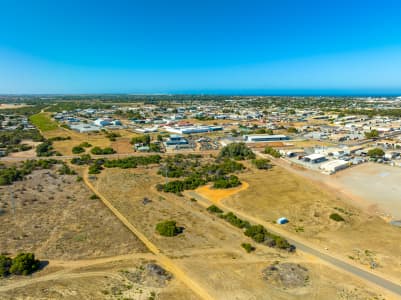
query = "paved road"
{"x": 309, "y": 249}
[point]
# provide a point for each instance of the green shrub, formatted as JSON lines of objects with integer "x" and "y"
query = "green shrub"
{"x": 24, "y": 264}
{"x": 263, "y": 164}
{"x": 5, "y": 264}
{"x": 78, "y": 150}
{"x": 226, "y": 182}
{"x": 214, "y": 209}
{"x": 273, "y": 152}
{"x": 248, "y": 247}
{"x": 235, "y": 221}
{"x": 336, "y": 217}
{"x": 237, "y": 151}
{"x": 168, "y": 228}
{"x": 100, "y": 151}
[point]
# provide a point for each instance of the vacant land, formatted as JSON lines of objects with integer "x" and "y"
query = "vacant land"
{"x": 362, "y": 238}
{"x": 209, "y": 248}
{"x": 55, "y": 218}
{"x": 377, "y": 184}
{"x": 43, "y": 122}
{"x": 121, "y": 145}
{"x": 12, "y": 106}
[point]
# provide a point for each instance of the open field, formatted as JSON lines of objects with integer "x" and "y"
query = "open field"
{"x": 55, "y": 218}
{"x": 121, "y": 145}
{"x": 377, "y": 184}
{"x": 360, "y": 239}
{"x": 28, "y": 153}
{"x": 12, "y": 106}
{"x": 209, "y": 249}
{"x": 43, "y": 122}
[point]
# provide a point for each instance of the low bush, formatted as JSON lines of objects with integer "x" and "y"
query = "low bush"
{"x": 168, "y": 228}
{"x": 336, "y": 217}
{"x": 248, "y": 247}
{"x": 214, "y": 209}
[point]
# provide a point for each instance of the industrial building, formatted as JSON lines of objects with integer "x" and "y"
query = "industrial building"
{"x": 82, "y": 128}
{"x": 315, "y": 158}
{"x": 254, "y": 138}
{"x": 177, "y": 142}
{"x": 193, "y": 129}
{"x": 334, "y": 166}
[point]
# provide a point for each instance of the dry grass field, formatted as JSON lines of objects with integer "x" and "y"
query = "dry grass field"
{"x": 56, "y": 219}
{"x": 362, "y": 238}
{"x": 121, "y": 145}
{"x": 209, "y": 249}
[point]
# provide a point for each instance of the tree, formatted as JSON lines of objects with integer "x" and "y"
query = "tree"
{"x": 237, "y": 151}
{"x": 5, "y": 264}
{"x": 143, "y": 139}
{"x": 168, "y": 228}
{"x": 24, "y": 264}
{"x": 372, "y": 134}
{"x": 262, "y": 163}
{"x": 375, "y": 153}
{"x": 78, "y": 150}
{"x": 273, "y": 152}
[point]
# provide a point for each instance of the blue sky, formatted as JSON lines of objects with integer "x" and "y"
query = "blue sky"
{"x": 148, "y": 46}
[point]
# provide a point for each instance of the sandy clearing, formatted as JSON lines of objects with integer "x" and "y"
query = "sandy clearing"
{"x": 217, "y": 195}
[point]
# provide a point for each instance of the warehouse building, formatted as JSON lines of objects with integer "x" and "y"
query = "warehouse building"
{"x": 255, "y": 138}
{"x": 334, "y": 166}
{"x": 315, "y": 158}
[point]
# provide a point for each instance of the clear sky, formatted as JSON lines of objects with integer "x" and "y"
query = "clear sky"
{"x": 203, "y": 46}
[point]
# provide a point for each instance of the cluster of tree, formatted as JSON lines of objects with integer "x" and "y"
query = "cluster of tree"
{"x": 271, "y": 151}
{"x": 104, "y": 151}
{"x": 81, "y": 148}
{"x": 112, "y": 136}
{"x": 237, "y": 151}
{"x": 66, "y": 170}
{"x": 261, "y": 131}
{"x": 234, "y": 220}
{"x": 396, "y": 113}
{"x": 69, "y": 105}
{"x": 260, "y": 235}
{"x": 257, "y": 232}
{"x": 292, "y": 130}
{"x": 17, "y": 173}
{"x": 262, "y": 163}
{"x": 45, "y": 149}
{"x": 372, "y": 134}
{"x": 226, "y": 182}
{"x": 59, "y": 138}
{"x": 203, "y": 118}
{"x": 142, "y": 139}
{"x": 376, "y": 153}
{"x": 11, "y": 139}
{"x": 197, "y": 174}
{"x": 177, "y": 186}
{"x": 22, "y": 264}
{"x": 132, "y": 162}
{"x": 83, "y": 160}
{"x": 168, "y": 228}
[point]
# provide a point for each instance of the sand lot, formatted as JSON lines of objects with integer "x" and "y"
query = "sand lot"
{"x": 377, "y": 184}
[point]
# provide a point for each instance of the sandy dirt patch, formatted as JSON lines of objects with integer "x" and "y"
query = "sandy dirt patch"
{"x": 216, "y": 195}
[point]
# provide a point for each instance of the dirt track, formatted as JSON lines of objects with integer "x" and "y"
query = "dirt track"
{"x": 161, "y": 258}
